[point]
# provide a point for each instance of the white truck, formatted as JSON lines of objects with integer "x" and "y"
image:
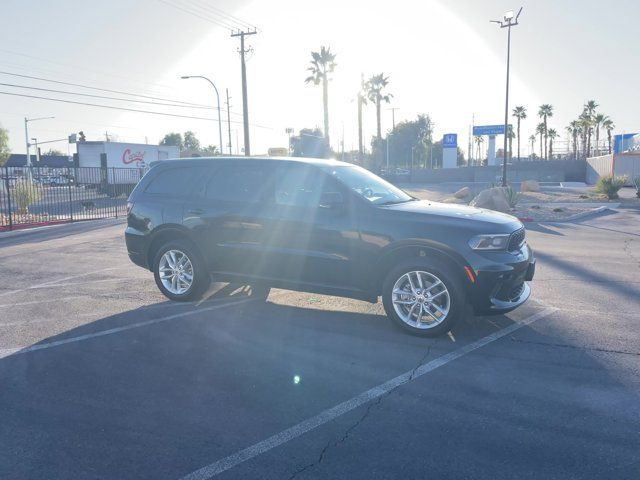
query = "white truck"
{"x": 115, "y": 168}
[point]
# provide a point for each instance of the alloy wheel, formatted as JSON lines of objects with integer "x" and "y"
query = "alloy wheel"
{"x": 421, "y": 299}
{"x": 176, "y": 272}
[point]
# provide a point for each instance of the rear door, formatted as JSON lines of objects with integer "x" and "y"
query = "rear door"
{"x": 227, "y": 219}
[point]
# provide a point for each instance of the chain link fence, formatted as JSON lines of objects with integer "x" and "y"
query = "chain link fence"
{"x": 34, "y": 196}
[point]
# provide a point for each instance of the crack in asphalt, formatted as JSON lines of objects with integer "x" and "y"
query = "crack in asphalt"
{"x": 331, "y": 444}
{"x": 576, "y": 347}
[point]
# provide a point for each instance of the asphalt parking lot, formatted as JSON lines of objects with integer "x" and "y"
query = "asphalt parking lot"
{"x": 102, "y": 378}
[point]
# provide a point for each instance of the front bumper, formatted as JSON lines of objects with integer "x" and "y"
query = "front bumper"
{"x": 501, "y": 286}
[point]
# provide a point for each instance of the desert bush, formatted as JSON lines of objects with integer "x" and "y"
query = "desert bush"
{"x": 636, "y": 182}
{"x": 512, "y": 196}
{"x": 25, "y": 193}
{"x": 610, "y": 185}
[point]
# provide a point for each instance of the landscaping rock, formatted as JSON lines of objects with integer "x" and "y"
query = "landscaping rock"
{"x": 530, "y": 186}
{"x": 492, "y": 199}
{"x": 464, "y": 192}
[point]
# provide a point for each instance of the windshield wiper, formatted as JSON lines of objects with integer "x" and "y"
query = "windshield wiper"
{"x": 395, "y": 202}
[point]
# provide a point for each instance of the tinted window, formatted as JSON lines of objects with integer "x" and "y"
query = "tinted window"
{"x": 238, "y": 183}
{"x": 298, "y": 185}
{"x": 174, "y": 181}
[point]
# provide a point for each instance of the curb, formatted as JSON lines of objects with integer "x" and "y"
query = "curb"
{"x": 591, "y": 213}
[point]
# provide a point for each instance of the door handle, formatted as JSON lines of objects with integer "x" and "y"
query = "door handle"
{"x": 195, "y": 211}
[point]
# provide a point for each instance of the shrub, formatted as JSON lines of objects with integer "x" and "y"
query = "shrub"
{"x": 636, "y": 182}
{"x": 25, "y": 193}
{"x": 512, "y": 196}
{"x": 610, "y": 185}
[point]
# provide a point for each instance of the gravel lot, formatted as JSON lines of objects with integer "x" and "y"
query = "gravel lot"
{"x": 102, "y": 378}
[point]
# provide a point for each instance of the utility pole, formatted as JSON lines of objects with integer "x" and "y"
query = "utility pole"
{"x": 507, "y": 22}
{"x": 245, "y": 105}
{"x": 229, "y": 121}
{"x": 393, "y": 116}
{"x": 360, "y": 103}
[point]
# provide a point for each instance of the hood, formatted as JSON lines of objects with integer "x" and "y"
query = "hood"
{"x": 453, "y": 211}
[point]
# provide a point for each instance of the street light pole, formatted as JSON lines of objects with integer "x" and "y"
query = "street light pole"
{"x": 26, "y": 134}
{"x": 507, "y": 22}
{"x": 184, "y": 77}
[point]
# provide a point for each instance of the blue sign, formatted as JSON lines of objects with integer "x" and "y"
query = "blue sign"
{"x": 488, "y": 130}
{"x": 621, "y": 143}
{"x": 450, "y": 140}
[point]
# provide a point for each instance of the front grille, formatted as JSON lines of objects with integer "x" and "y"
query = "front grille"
{"x": 510, "y": 293}
{"x": 516, "y": 240}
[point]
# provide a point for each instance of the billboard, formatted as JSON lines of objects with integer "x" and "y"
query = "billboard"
{"x": 450, "y": 140}
{"x": 488, "y": 130}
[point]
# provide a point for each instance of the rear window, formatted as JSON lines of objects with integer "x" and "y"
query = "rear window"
{"x": 174, "y": 182}
{"x": 238, "y": 183}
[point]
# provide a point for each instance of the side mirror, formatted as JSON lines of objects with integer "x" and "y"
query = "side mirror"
{"x": 331, "y": 200}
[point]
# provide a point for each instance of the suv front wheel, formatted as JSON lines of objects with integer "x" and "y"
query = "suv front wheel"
{"x": 180, "y": 272}
{"x": 425, "y": 299}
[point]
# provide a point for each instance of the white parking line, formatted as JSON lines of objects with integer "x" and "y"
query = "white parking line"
{"x": 5, "y": 352}
{"x": 312, "y": 423}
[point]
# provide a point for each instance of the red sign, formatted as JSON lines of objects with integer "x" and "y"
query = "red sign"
{"x": 130, "y": 157}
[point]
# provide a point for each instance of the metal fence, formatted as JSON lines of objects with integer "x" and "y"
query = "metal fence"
{"x": 31, "y": 196}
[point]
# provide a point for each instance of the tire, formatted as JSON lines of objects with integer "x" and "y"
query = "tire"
{"x": 449, "y": 297}
{"x": 179, "y": 291}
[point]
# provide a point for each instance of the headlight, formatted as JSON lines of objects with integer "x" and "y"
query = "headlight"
{"x": 490, "y": 242}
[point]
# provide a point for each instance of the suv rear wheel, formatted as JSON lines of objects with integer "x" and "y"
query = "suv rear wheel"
{"x": 425, "y": 299}
{"x": 180, "y": 272}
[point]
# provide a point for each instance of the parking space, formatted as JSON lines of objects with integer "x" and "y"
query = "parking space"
{"x": 103, "y": 378}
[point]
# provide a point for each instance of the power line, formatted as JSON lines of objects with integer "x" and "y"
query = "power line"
{"x": 198, "y": 15}
{"x": 102, "y": 96}
{"x": 79, "y": 67}
{"x": 222, "y": 13}
{"x": 59, "y": 82}
{"x": 111, "y": 107}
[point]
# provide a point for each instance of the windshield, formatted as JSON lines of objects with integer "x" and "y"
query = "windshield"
{"x": 368, "y": 185}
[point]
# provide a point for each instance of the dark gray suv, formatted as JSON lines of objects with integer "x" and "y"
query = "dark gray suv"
{"x": 327, "y": 227}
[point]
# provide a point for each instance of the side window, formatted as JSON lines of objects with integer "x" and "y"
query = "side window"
{"x": 299, "y": 186}
{"x": 238, "y": 183}
{"x": 174, "y": 181}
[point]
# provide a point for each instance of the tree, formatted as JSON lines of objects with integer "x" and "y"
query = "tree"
{"x": 510, "y": 135}
{"x": 589, "y": 114}
{"x": 552, "y": 136}
{"x": 598, "y": 119}
{"x": 408, "y": 141}
{"x": 52, "y": 152}
{"x": 541, "y": 130}
{"x": 362, "y": 100}
{"x": 479, "y": 139}
{"x": 209, "y": 151}
{"x": 190, "y": 141}
{"x": 532, "y": 142}
{"x": 322, "y": 64}
{"x": 608, "y": 125}
{"x": 574, "y": 130}
{"x": 375, "y": 85}
{"x": 545, "y": 112}
{"x": 173, "y": 139}
{"x": 310, "y": 143}
{"x": 586, "y": 128}
{"x": 4, "y": 146}
{"x": 520, "y": 113}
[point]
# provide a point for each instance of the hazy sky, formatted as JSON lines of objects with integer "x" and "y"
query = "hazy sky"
{"x": 443, "y": 58}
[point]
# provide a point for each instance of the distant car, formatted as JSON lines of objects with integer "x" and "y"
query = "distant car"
{"x": 328, "y": 227}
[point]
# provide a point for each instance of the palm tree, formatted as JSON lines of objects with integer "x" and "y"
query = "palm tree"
{"x": 541, "y": 130}
{"x": 552, "y": 135}
{"x": 589, "y": 112}
{"x": 608, "y": 125}
{"x": 544, "y": 112}
{"x": 598, "y": 120}
{"x": 586, "y": 126}
{"x": 322, "y": 64}
{"x": 479, "y": 141}
{"x": 532, "y": 141}
{"x": 510, "y": 135}
{"x": 520, "y": 113}
{"x": 374, "y": 86}
{"x": 574, "y": 130}
{"x": 362, "y": 100}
